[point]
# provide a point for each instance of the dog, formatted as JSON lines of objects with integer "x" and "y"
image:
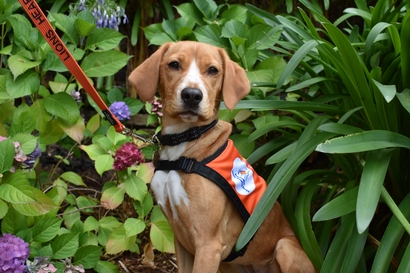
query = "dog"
{"x": 192, "y": 78}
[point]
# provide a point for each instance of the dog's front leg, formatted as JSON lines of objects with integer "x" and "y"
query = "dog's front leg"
{"x": 185, "y": 260}
{"x": 207, "y": 259}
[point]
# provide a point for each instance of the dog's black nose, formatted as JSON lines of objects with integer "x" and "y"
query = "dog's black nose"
{"x": 191, "y": 96}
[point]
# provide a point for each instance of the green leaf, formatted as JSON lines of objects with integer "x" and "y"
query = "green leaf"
{"x": 28, "y": 142}
{"x": 371, "y": 182}
{"x": 365, "y": 141}
{"x": 118, "y": 241}
{"x": 46, "y": 229}
{"x": 210, "y": 34}
{"x": 26, "y": 199}
{"x": 404, "y": 98}
{"x": 73, "y": 178}
{"x": 104, "y": 163}
{"x": 74, "y": 131}
{"x": 232, "y": 29}
{"x": 343, "y": 204}
{"x": 83, "y": 27}
{"x": 102, "y": 64}
{"x": 295, "y": 60}
{"x": 388, "y": 91}
{"x": 133, "y": 226}
{"x": 91, "y": 223}
{"x": 23, "y": 120}
{"x": 4, "y": 208}
{"x": 135, "y": 187}
{"x": 67, "y": 25}
{"x": 41, "y": 114}
{"x": 13, "y": 222}
{"x": 62, "y": 105}
{"x": 104, "y": 39}
{"x": 26, "y": 84}
{"x": 336, "y": 254}
{"x": 162, "y": 236}
{"x": 19, "y": 64}
{"x": 94, "y": 151}
{"x": 87, "y": 256}
{"x": 65, "y": 245}
{"x": 189, "y": 10}
{"x": 208, "y": 8}
{"x": 106, "y": 267}
{"x": 7, "y": 155}
{"x": 112, "y": 197}
{"x": 390, "y": 240}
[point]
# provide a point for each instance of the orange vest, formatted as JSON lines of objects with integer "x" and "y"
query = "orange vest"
{"x": 240, "y": 175}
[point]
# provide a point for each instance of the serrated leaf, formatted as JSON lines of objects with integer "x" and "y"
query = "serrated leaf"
{"x": 135, "y": 187}
{"x": 112, "y": 197}
{"x": 73, "y": 178}
{"x": 65, "y": 245}
{"x": 26, "y": 84}
{"x": 91, "y": 223}
{"x": 102, "y": 64}
{"x": 83, "y": 27}
{"x": 67, "y": 25}
{"x": 162, "y": 236}
{"x": 19, "y": 64}
{"x": 23, "y": 120}
{"x": 52, "y": 134}
{"x": 104, "y": 163}
{"x": 28, "y": 142}
{"x": 94, "y": 123}
{"x": 62, "y": 105}
{"x": 74, "y": 131}
{"x": 118, "y": 241}
{"x": 24, "y": 198}
{"x": 42, "y": 116}
{"x": 94, "y": 151}
{"x": 45, "y": 251}
{"x": 133, "y": 226}
{"x": 4, "y": 208}
{"x": 46, "y": 229}
{"x": 87, "y": 256}
{"x": 7, "y": 155}
{"x": 146, "y": 172}
{"x": 104, "y": 39}
{"x": 105, "y": 267}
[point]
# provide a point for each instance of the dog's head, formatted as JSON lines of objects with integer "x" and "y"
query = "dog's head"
{"x": 191, "y": 78}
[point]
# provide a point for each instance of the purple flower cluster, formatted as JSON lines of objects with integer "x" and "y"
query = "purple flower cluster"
{"x": 126, "y": 156}
{"x": 13, "y": 254}
{"x": 107, "y": 13}
{"x": 121, "y": 110}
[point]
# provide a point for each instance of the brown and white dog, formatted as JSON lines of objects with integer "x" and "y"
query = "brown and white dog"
{"x": 192, "y": 78}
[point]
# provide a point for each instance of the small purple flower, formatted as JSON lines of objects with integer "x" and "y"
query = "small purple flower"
{"x": 126, "y": 156}
{"x": 120, "y": 110}
{"x": 13, "y": 254}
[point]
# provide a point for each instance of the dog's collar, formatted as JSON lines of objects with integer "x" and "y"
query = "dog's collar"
{"x": 188, "y": 135}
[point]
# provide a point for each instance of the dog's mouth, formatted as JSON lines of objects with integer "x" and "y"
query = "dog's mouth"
{"x": 189, "y": 113}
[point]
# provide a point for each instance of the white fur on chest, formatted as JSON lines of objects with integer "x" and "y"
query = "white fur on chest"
{"x": 167, "y": 185}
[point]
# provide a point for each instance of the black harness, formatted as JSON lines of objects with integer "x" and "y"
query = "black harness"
{"x": 191, "y": 165}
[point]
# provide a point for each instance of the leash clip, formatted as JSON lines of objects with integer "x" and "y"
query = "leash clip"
{"x": 129, "y": 132}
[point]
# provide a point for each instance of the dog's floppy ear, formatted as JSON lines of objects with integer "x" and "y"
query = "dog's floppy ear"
{"x": 145, "y": 77}
{"x": 236, "y": 84}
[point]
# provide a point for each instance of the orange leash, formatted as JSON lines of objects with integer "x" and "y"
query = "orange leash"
{"x": 40, "y": 20}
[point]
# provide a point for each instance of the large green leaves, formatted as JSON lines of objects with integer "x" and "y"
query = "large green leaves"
{"x": 101, "y": 64}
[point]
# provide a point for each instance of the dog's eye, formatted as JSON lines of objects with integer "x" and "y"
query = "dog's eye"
{"x": 174, "y": 65}
{"x": 213, "y": 70}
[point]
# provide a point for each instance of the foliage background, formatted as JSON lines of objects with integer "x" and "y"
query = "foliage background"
{"x": 326, "y": 123}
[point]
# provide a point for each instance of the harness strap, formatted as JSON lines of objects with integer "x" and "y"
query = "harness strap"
{"x": 186, "y": 136}
{"x": 190, "y": 165}
{"x": 40, "y": 20}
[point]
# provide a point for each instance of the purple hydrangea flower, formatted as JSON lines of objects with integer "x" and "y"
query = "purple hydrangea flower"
{"x": 120, "y": 110}
{"x": 13, "y": 254}
{"x": 126, "y": 156}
